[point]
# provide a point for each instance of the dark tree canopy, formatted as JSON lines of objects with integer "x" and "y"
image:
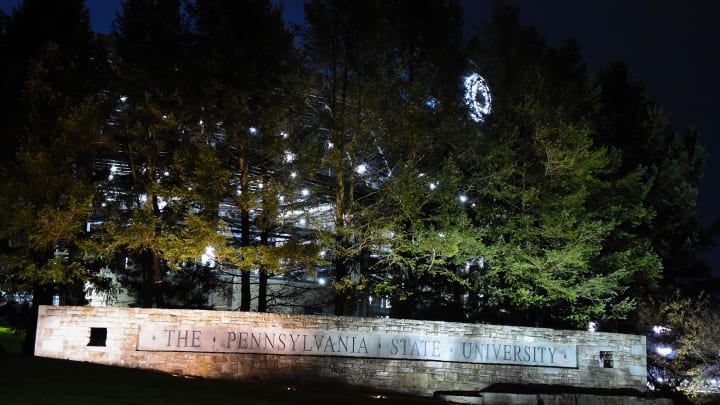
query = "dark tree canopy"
{"x": 211, "y": 129}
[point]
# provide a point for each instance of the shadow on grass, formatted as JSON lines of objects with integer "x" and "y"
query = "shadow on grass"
{"x": 35, "y": 380}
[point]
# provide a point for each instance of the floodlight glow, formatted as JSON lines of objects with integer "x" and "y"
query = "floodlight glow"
{"x": 293, "y": 174}
{"x": 252, "y": 130}
{"x": 289, "y": 157}
{"x": 208, "y": 258}
{"x": 477, "y": 97}
{"x": 361, "y": 169}
{"x": 305, "y": 192}
{"x": 463, "y": 198}
{"x": 659, "y": 330}
{"x": 664, "y": 351}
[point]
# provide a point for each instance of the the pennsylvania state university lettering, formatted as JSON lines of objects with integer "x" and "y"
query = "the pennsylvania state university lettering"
{"x": 294, "y": 342}
{"x": 158, "y": 337}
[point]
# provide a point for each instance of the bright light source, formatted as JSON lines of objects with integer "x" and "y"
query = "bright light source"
{"x": 305, "y": 192}
{"x": 123, "y": 99}
{"x": 322, "y": 281}
{"x": 592, "y": 326}
{"x": 664, "y": 351}
{"x": 477, "y": 97}
{"x": 252, "y": 130}
{"x": 289, "y": 157}
{"x": 433, "y": 186}
{"x": 284, "y": 134}
{"x": 208, "y": 258}
{"x": 463, "y": 198}
{"x": 659, "y": 330}
{"x": 293, "y": 174}
{"x": 361, "y": 169}
{"x": 330, "y": 145}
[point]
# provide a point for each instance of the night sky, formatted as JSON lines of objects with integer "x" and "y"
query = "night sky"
{"x": 672, "y": 46}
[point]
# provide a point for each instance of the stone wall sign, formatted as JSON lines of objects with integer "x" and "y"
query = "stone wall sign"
{"x": 523, "y": 352}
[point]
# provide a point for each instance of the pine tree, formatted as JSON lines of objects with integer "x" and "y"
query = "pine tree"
{"x": 564, "y": 237}
{"x": 247, "y": 67}
{"x": 47, "y": 176}
{"x": 164, "y": 179}
{"x": 673, "y": 164}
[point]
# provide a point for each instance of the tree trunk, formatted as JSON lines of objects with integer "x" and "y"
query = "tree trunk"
{"x": 262, "y": 285}
{"x": 339, "y": 261}
{"x": 245, "y": 234}
{"x": 146, "y": 297}
{"x": 340, "y": 273}
{"x": 245, "y": 276}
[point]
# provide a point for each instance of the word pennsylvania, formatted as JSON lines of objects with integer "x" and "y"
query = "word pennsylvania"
{"x": 526, "y": 352}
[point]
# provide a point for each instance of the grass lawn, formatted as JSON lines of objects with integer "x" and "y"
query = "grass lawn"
{"x": 10, "y": 341}
{"x": 34, "y": 380}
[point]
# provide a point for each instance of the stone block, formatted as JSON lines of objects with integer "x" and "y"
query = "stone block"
{"x": 638, "y": 350}
{"x": 415, "y": 380}
{"x": 65, "y": 333}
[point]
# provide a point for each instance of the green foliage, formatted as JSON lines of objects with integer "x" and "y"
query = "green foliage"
{"x": 562, "y": 224}
{"x": 691, "y": 328}
{"x": 563, "y": 207}
{"x": 671, "y": 166}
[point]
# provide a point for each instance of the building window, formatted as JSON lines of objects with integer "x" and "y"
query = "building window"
{"x": 606, "y": 359}
{"x": 98, "y": 336}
